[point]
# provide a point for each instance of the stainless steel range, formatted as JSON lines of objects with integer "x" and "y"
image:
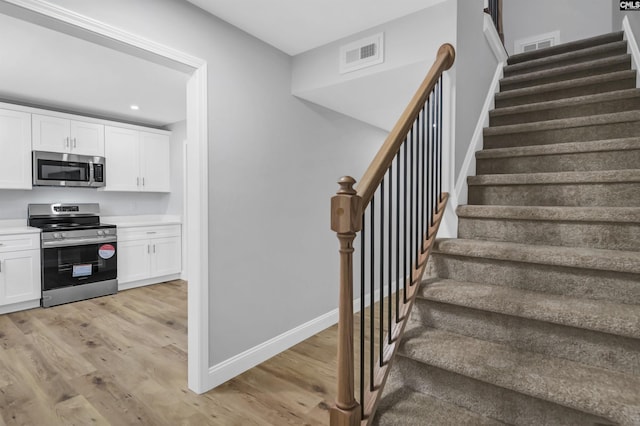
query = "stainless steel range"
{"x": 79, "y": 254}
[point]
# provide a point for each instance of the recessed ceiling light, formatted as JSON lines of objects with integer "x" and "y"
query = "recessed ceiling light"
{"x": 134, "y": 107}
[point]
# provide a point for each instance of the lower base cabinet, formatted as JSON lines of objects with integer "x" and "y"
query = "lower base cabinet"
{"x": 148, "y": 254}
{"x": 19, "y": 272}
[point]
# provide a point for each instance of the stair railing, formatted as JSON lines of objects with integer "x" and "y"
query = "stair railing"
{"x": 495, "y": 11}
{"x": 396, "y": 208}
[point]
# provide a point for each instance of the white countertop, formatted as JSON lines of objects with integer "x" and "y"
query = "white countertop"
{"x": 16, "y": 226}
{"x": 141, "y": 220}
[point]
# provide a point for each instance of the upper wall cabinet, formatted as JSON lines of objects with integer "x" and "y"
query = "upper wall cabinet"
{"x": 136, "y": 161}
{"x": 15, "y": 149}
{"x": 67, "y": 136}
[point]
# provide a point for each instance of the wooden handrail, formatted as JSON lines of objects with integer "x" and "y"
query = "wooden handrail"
{"x": 381, "y": 162}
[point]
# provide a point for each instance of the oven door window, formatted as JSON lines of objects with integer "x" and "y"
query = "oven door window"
{"x": 77, "y": 265}
{"x": 63, "y": 171}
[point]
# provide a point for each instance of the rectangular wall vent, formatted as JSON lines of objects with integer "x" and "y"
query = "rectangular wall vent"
{"x": 537, "y": 42}
{"x": 362, "y": 53}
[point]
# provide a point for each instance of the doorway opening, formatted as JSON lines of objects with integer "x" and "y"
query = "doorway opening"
{"x": 195, "y": 220}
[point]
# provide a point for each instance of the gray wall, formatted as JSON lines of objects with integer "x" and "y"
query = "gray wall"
{"x": 273, "y": 166}
{"x": 475, "y": 67}
{"x": 378, "y": 94}
{"x": 575, "y": 19}
{"x": 618, "y": 15}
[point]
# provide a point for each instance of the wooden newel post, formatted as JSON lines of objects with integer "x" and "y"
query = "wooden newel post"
{"x": 346, "y": 220}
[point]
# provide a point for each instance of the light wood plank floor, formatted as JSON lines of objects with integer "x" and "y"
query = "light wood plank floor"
{"x": 121, "y": 360}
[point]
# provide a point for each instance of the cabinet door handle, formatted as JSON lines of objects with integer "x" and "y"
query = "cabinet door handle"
{"x": 75, "y": 143}
{"x": 148, "y": 248}
{"x": 66, "y": 142}
{"x": 148, "y": 233}
{"x": 154, "y": 248}
{"x": 142, "y": 181}
{"x": 1, "y": 244}
{"x": 137, "y": 181}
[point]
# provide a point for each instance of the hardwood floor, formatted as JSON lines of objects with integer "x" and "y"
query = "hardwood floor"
{"x": 121, "y": 360}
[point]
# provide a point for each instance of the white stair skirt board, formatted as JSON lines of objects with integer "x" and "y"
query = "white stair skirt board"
{"x": 469, "y": 163}
{"x": 633, "y": 47}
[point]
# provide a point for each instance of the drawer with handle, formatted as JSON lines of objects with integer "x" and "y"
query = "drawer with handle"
{"x": 18, "y": 242}
{"x": 145, "y": 232}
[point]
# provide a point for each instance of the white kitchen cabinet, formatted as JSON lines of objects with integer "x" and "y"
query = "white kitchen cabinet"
{"x": 56, "y": 134}
{"x": 15, "y": 150}
{"x": 19, "y": 272}
{"x": 166, "y": 256}
{"x": 136, "y": 161}
{"x": 134, "y": 262}
{"x": 148, "y": 254}
{"x": 122, "y": 157}
{"x": 155, "y": 162}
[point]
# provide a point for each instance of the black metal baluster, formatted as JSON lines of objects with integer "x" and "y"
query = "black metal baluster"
{"x": 372, "y": 308}
{"x": 417, "y": 192}
{"x": 404, "y": 226}
{"x": 437, "y": 148}
{"x": 440, "y": 135}
{"x": 389, "y": 257}
{"x": 363, "y": 258}
{"x": 410, "y": 234}
{"x": 381, "y": 280}
{"x": 434, "y": 206}
{"x": 425, "y": 170}
{"x": 422, "y": 187}
{"x": 398, "y": 237}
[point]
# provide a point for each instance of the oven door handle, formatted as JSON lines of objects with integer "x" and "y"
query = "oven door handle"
{"x": 77, "y": 242}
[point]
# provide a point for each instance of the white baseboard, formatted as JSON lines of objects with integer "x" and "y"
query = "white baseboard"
{"x": 632, "y": 47}
{"x": 21, "y": 306}
{"x": 232, "y": 367}
{"x": 148, "y": 281}
{"x": 226, "y": 370}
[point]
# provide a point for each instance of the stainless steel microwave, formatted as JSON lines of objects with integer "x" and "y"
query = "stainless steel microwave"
{"x": 59, "y": 169}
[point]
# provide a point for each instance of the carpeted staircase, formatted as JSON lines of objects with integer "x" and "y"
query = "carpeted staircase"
{"x": 532, "y": 316}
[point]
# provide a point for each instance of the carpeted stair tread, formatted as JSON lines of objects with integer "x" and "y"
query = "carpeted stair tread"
{"x": 608, "y": 49}
{"x": 561, "y": 148}
{"x": 619, "y": 62}
{"x": 402, "y": 406}
{"x": 589, "y": 389}
{"x": 596, "y": 315}
{"x": 564, "y": 123}
{"x": 565, "y": 47}
{"x": 567, "y": 102}
{"x": 571, "y": 257}
{"x": 559, "y": 178}
{"x": 552, "y": 213}
{"x": 568, "y": 84}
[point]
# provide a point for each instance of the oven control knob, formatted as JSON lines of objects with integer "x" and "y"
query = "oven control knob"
{"x": 100, "y": 232}
{"x": 57, "y": 235}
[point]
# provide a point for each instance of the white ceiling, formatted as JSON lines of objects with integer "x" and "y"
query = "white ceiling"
{"x": 44, "y": 67}
{"x": 295, "y": 26}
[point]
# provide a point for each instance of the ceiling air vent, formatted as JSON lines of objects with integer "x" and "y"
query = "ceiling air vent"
{"x": 362, "y": 53}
